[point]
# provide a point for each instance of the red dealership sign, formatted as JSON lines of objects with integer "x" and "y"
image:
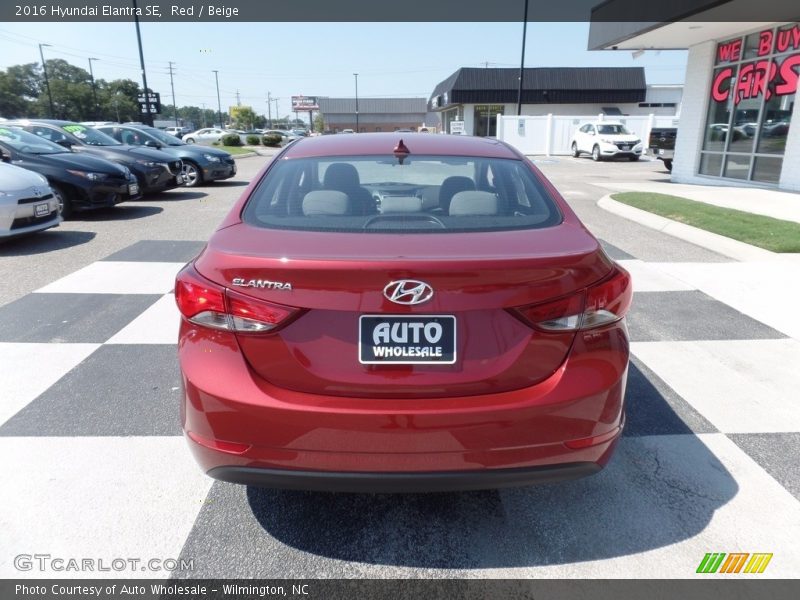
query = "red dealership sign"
{"x": 755, "y": 77}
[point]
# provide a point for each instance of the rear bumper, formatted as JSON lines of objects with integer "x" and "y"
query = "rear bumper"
{"x": 241, "y": 428}
{"x": 398, "y": 483}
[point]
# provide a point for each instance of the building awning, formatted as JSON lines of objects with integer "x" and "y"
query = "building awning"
{"x": 580, "y": 85}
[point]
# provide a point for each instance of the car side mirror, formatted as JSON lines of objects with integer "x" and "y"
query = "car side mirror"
{"x": 65, "y": 143}
{"x": 153, "y": 144}
{"x": 590, "y": 132}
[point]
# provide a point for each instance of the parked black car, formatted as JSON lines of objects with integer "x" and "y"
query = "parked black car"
{"x": 155, "y": 171}
{"x": 201, "y": 164}
{"x": 662, "y": 144}
{"x": 79, "y": 181}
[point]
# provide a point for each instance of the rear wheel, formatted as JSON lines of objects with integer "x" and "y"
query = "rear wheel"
{"x": 191, "y": 174}
{"x": 575, "y": 152}
{"x": 64, "y": 201}
{"x": 668, "y": 165}
{"x": 596, "y": 153}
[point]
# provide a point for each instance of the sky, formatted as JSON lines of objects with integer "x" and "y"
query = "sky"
{"x": 313, "y": 59}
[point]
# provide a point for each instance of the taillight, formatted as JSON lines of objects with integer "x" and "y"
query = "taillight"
{"x": 205, "y": 303}
{"x": 601, "y": 304}
{"x": 609, "y": 300}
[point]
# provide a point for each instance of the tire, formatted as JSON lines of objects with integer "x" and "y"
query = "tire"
{"x": 575, "y": 152}
{"x": 633, "y": 158}
{"x": 596, "y": 154}
{"x": 64, "y": 202}
{"x": 192, "y": 174}
{"x": 668, "y": 165}
{"x": 189, "y": 140}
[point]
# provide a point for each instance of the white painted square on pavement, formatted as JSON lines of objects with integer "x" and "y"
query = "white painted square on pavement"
{"x": 111, "y": 277}
{"x": 647, "y": 278}
{"x": 740, "y": 386}
{"x": 764, "y": 290}
{"x": 157, "y": 325}
{"x": 30, "y": 369}
{"x": 99, "y": 498}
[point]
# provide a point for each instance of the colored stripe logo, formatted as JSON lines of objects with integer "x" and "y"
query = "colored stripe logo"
{"x": 736, "y": 562}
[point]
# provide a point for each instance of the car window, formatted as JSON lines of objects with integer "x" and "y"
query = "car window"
{"x": 49, "y": 134}
{"x": 24, "y": 141}
{"x": 380, "y": 194}
{"x": 612, "y": 129}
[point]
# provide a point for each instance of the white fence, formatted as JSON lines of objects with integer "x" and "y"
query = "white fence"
{"x": 552, "y": 134}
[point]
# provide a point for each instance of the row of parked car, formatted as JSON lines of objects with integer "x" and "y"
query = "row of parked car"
{"x": 52, "y": 168}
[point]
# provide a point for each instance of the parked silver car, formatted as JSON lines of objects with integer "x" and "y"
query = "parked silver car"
{"x": 27, "y": 203}
{"x": 207, "y": 135}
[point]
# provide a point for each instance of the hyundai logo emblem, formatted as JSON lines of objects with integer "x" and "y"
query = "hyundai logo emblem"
{"x": 408, "y": 291}
{"x": 37, "y": 192}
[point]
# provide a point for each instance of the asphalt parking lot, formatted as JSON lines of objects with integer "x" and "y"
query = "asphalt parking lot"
{"x": 94, "y": 463}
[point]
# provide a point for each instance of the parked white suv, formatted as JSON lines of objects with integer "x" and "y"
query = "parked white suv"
{"x": 606, "y": 139}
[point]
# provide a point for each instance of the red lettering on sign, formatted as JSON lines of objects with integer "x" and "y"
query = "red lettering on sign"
{"x": 788, "y": 38}
{"x": 756, "y": 77}
{"x": 717, "y": 93}
{"x": 789, "y": 76}
{"x": 730, "y": 51}
{"x": 764, "y": 42}
{"x": 753, "y": 80}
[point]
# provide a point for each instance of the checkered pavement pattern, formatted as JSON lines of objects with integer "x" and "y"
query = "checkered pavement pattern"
{"x": 94, "y": 464}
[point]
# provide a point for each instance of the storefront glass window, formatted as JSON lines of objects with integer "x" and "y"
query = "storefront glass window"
{"x": 752, "y": 98}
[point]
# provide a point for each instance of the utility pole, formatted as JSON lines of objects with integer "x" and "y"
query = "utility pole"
{"x": 172, "y": 85}
{"x": 238, "y": 100}
{"x": 269, "y": 110}
{"x": 522, "y": 60}
{"x": 47, "y": 81}
{"x": 148, "y": 116}
{"x": 356, "y": 76}
{"x": 94, "y": 89}
{"x": 219, "y": 102}
{"x": 203, "y": 104}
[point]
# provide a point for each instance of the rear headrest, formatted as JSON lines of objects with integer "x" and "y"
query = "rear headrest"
{"x": 326, "y": 202}
{"x": 474, "y": 203}
{"x": 341, "y": 176}
{"x": 401, "y": 204}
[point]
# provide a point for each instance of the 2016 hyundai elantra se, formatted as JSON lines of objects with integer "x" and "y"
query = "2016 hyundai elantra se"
{"x": 387, "y": 314}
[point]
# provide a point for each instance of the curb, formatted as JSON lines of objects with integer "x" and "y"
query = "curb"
{"x": 711, "y": 241}
{"x": 245, "y": 155}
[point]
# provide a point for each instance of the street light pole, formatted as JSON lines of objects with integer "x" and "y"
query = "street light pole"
{"x": 356, "y": 76}
{"x": 94, "y": 89}
{"x": 46, "y": 80}
{"x": 269, "y": 110}
{"x": 172, "y": 85}
{"x": 219, "y": 102}
{"x": 148, "y": 117}
{"x": 522, "y": 60}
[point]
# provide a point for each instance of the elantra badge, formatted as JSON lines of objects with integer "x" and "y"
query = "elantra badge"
{"x": 408, "y": 291}
{"x": 262, "y": 284}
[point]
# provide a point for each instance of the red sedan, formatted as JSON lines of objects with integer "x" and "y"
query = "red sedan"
{"x": 387, "y": 314}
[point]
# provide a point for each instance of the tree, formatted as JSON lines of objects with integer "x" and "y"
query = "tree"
{"x": 319, "y": 123}
{"x": 118, "y": 100}
{"x": 244, "y": 118}
{"x": 20, "y": 85}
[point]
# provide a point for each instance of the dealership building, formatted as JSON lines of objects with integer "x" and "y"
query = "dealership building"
{"x": 739, "y": 96}
{"x": 374, "y": 114}
{"x": 476, "y": 96}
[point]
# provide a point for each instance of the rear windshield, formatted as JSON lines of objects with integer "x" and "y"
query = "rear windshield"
{"x": 415, "y": 195}
{"x": 612, "y": 129}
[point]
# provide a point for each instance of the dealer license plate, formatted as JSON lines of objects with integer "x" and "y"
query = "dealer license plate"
{"x": 41, "y": 210}
{"x": 406, "y": 339}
